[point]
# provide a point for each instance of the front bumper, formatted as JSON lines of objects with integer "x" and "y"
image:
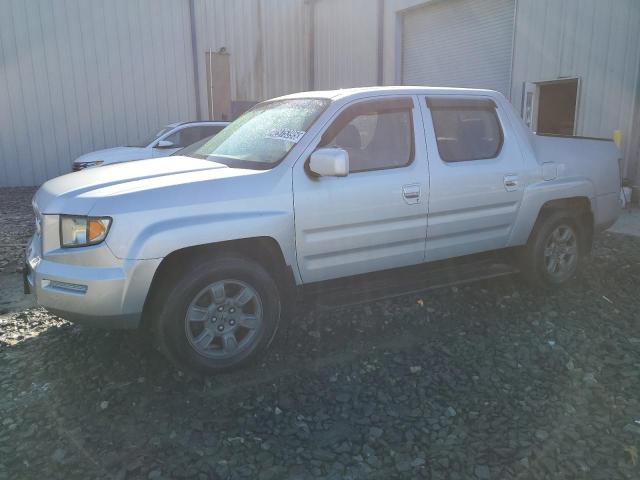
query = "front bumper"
{"x": 111, "y": 295}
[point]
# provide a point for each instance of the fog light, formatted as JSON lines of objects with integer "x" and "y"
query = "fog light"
{"x": 64, "y": 286}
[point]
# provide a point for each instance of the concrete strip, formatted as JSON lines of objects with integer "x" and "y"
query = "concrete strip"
{"x": 628, "y": 223}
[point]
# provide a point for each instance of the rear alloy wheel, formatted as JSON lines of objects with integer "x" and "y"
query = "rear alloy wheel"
{"x": 219, "y": 315}
{"x": 555, "y": 250}
{"x": 561, "y": 253}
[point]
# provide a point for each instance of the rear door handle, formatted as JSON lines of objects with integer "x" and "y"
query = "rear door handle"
{"x": 411, "y": 193}
{"x": 511, "y": 182}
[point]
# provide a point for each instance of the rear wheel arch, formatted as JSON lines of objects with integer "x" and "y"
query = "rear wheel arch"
{"x": 540, "y": 256}
{"x": 579, "y": 208}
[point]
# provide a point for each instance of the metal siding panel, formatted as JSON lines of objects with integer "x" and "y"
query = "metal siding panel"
{"x": 81, "y": 75}
{"x": 46, "y": 140}
{"x": 285, "y": 31}
{"x": 55, "y": 87}
{"x": 21, "y": 95}
{"x": 150, "y": 78}
{"x": 459, "y": 43}
{"x": 116, "y": 78}
{"x": 346, "y": 48}
{"x": 600, "y": 43}
{"x": 104, "y": 84}
{"x": 8, "y": 147}
{"x": 186, "y": 89}
{"x": 268, "y": 54}
{"x": 68, "y": 90}
{"x": 90, "y": 66}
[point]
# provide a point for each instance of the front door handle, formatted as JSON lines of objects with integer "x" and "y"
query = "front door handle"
{"x": 511, "y": 182}
{"x": 411, "y": 193}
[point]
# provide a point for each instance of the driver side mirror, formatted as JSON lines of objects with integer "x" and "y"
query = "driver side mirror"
{"x": 162, "y": 144}
{"x": 330, "y": 162}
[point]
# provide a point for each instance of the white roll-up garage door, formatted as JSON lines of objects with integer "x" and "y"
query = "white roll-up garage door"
{"x": 459, "y": 43}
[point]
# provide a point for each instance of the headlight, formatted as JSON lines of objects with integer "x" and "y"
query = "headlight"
{"x": 82, "y": 165}
{"x": 78, "y": 231}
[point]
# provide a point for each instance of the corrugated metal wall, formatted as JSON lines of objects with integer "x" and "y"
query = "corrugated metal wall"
{"x": 597, "y": 41}
{"x": 80, "y": 75}
{"x": 346, "y": 48}
{"x": 459, "y": 43}
{"x": 268, "y": 42}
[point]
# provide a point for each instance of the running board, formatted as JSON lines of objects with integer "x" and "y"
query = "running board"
{"x": 394, "y": 283}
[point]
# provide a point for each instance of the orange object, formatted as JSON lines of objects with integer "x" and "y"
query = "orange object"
{"x": 96, "y": 229}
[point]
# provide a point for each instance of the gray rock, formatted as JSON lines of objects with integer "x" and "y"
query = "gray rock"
{"x": 58, "y": 455}
{"x": 632, "y": 428}
{"x": 542, "y": 435}
{"x": 153, "y": 474}
{"x": 482, "y": 472}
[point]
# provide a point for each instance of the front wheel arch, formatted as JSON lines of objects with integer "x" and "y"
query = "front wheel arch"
{"x": 264, "y": 250}
{"x": 169, "y": 315}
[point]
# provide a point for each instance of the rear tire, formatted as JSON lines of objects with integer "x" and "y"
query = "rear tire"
{"x": 221, "y": 314}
{"x": 555, "y": 251}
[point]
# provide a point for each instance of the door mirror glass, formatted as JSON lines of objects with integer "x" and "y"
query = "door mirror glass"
{"x": 162, "y": 144}
{"x": 330, "y": 162}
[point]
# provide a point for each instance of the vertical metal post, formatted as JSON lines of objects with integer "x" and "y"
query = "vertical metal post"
{"x": 312, "y": 44}
{"x": 194, "y": 53}
{"x": 380, "y": 41}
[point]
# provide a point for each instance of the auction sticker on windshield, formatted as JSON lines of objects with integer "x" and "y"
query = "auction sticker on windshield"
{"x": 286, "y": 134}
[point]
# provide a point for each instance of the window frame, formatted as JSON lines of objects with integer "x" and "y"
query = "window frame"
{"x": 366, "y": 107}
{"x": 462, "y": 103}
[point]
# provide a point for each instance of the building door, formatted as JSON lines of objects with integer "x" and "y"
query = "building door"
{"x": 459, "y": 43}
{"x": 218, "y": 85}
{"x": 556, "y": 112}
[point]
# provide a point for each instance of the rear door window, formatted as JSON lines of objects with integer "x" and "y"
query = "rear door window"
{"x": 466, "y": 129}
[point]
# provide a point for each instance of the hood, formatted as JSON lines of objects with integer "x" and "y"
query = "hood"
{"x": 76, "y": 193}
{"x": 117, "y": 154}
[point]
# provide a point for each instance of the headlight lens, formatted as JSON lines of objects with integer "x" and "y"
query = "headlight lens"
{"x": 77, "y": 231}
{"x": 82, "y": 165}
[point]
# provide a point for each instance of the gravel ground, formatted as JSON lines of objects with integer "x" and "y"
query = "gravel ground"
{"x": 16, "y": 225}
{"x": 488, "y": 381}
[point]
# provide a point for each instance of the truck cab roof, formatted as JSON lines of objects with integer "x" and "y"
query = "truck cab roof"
{"x": 388, "y": 90}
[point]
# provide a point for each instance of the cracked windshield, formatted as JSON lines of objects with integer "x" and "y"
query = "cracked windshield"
{"x": 320, "y": 239}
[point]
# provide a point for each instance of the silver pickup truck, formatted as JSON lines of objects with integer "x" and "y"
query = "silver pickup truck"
{"x": 208, "y": 250}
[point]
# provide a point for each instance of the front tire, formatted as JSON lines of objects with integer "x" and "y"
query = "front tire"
{"x": 555, "y": 251}
{"x": 219, "y": 315}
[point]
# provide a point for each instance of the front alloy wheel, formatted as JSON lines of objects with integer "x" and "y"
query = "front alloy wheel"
{"x": 218, "y": 315}
{"x": 224, "y": 319}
